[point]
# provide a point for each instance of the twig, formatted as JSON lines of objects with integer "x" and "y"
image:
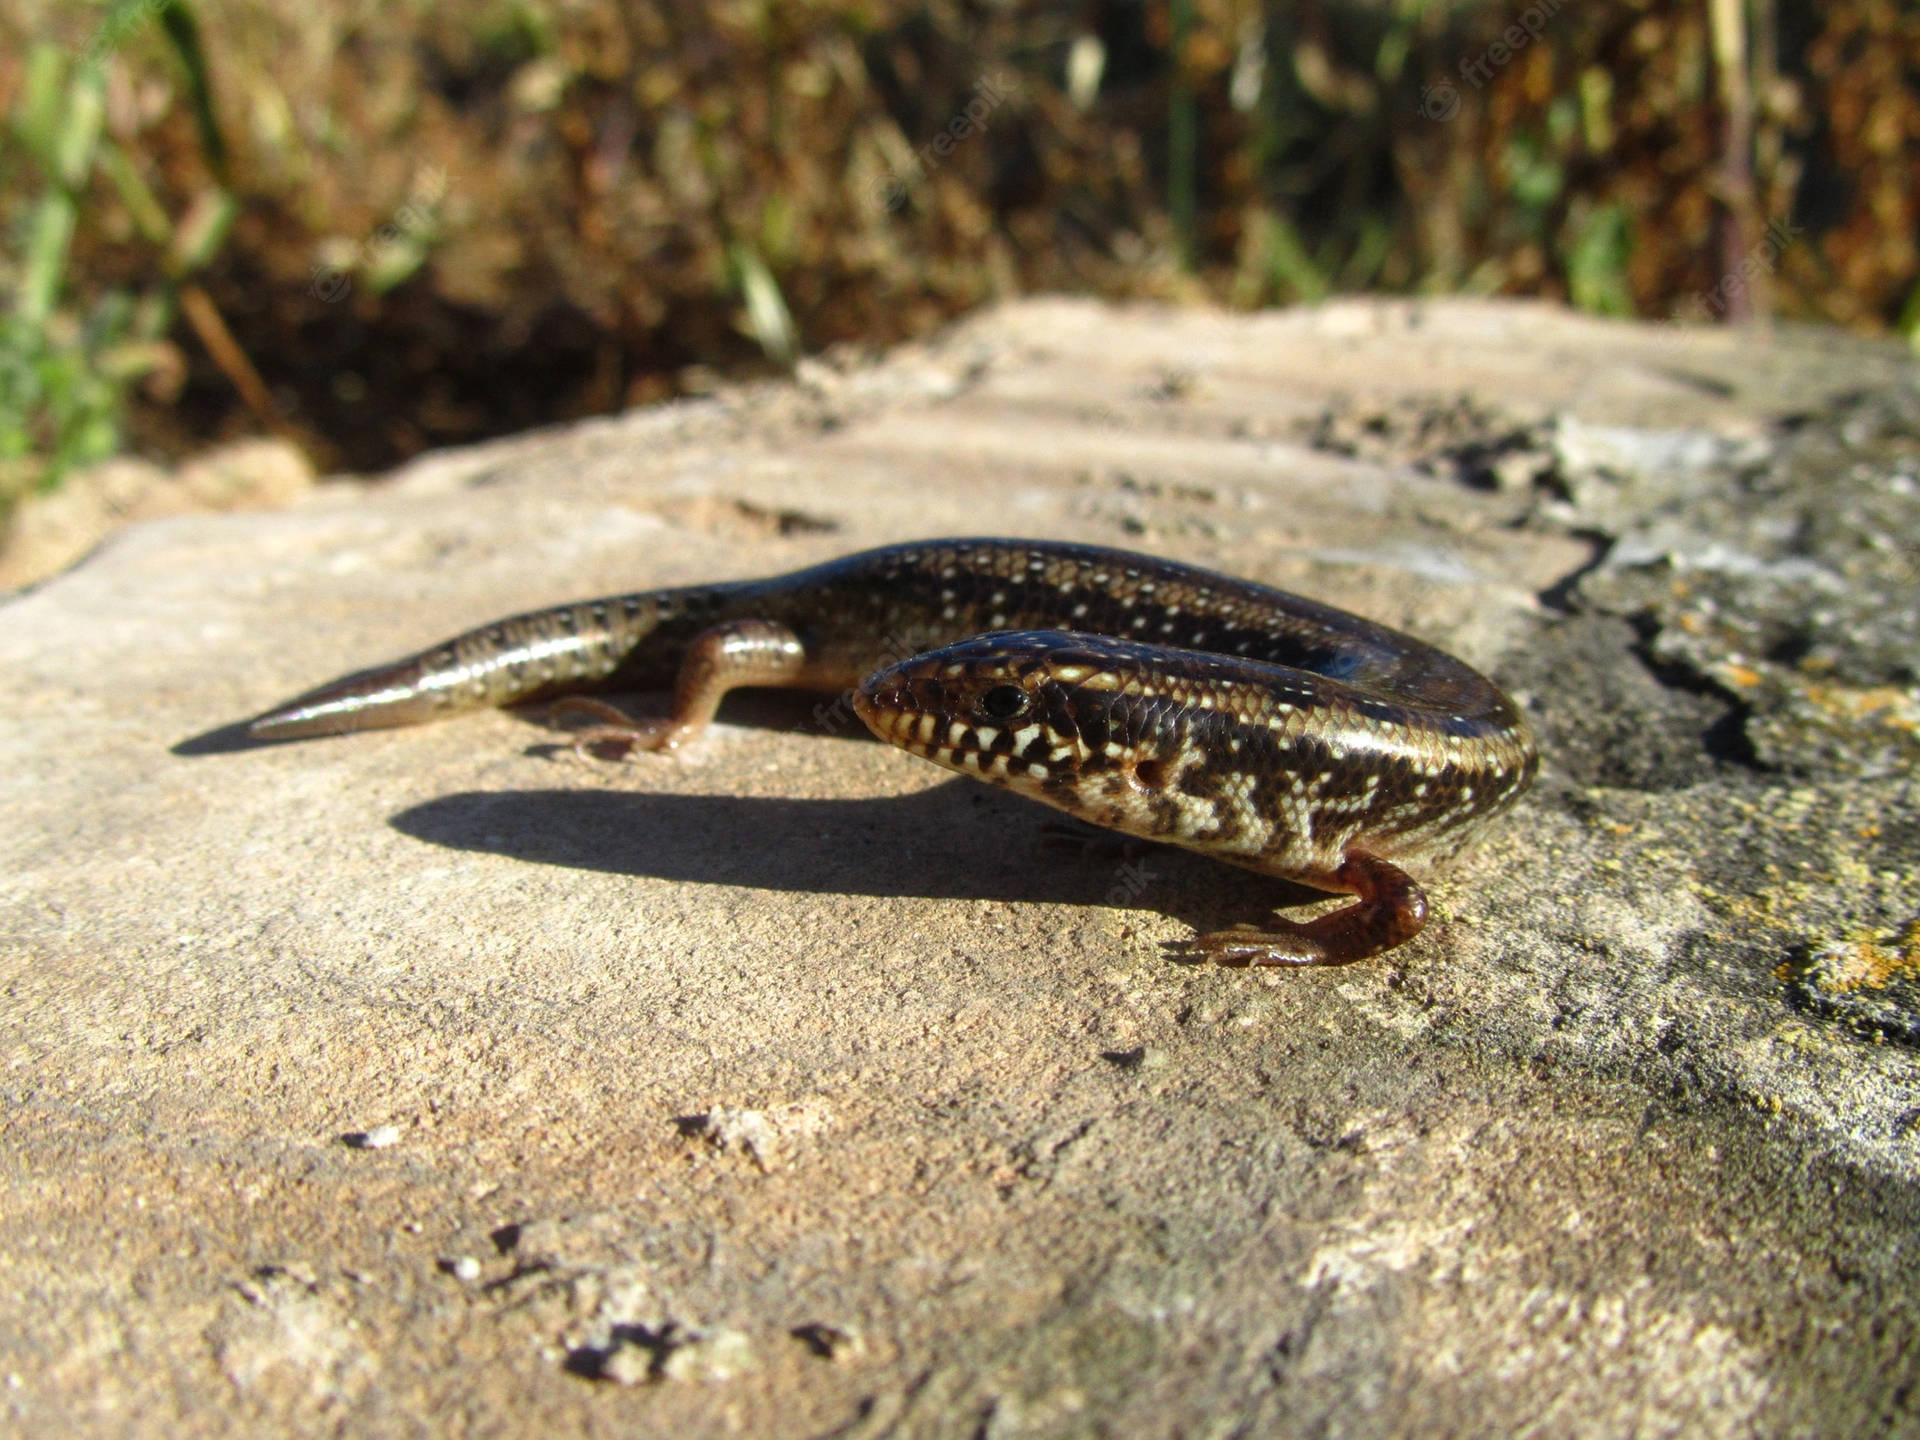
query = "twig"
{"x": 202, "y": 314}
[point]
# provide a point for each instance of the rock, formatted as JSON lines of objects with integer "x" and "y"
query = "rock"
{"x": 47, "y": 533}
{"x": 1625, "y": 1142}
{"x": 761, "y": 1133}
{"x": 710, "y": 1355}
{"x": 628, "y": 1363}
{"x": 281, "y": 1334}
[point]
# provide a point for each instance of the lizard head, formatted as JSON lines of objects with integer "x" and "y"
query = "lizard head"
{"x": 1037, "y": 711}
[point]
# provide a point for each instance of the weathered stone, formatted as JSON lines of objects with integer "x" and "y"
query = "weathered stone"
{"x": 1626, "y": 1142}
{"x": 46, "y": 533}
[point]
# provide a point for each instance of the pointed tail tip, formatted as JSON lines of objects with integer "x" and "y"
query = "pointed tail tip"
{"x": 372, "y": 700}
{"x": 288, "y": 723}
{"x": 303, "y": 720}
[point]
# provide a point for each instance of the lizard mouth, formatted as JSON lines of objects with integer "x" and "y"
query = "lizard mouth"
{"x": 917, "y": 713}
{"x": 985, "y": 707}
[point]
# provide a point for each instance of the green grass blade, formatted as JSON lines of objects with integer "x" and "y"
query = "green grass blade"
{"x": 49, "y": 233}
{"x": 184, "y": 31}
{"x": 79, "y": 136}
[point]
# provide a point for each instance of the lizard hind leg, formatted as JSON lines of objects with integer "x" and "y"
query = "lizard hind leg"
{"x": 1389, "y": 909}
{"x": 727, "y": 657}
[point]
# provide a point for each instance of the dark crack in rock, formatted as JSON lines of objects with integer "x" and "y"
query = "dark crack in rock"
{"x": 1462, "y": 439}
{"x": 1743, "y": 655}
{"x": 1791, "y": 587}
{"x": 1605, "y": 719}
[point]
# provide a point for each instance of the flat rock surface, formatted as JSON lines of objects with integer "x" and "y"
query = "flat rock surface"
{"x": 435, "y": 1081}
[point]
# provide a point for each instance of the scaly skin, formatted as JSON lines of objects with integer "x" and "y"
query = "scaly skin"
{"x": 1153, "y": 698}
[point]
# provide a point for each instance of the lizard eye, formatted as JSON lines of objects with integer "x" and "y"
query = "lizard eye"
{"x": 1003, "y": 702}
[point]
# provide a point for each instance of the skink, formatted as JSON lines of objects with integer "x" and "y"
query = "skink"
{"x": 1153, "y": 698}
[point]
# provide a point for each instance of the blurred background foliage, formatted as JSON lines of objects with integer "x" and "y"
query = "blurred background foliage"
{"x": 380, "y": 227}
